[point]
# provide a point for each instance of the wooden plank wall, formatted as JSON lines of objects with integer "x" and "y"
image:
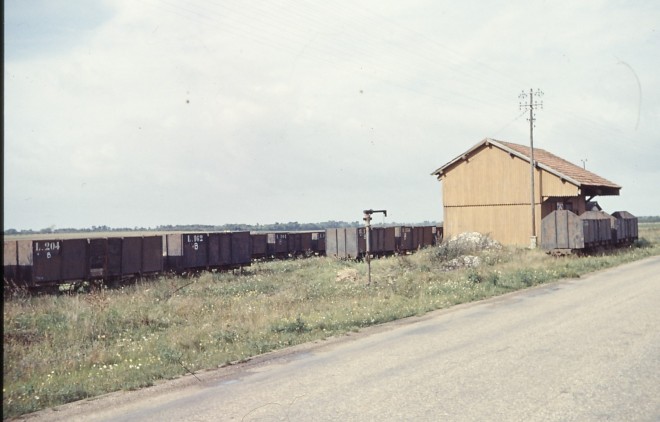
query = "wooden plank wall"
{"x": 489, "y": 192}
{"x": 492, "y": 176}
{"x": 509, "y": 225}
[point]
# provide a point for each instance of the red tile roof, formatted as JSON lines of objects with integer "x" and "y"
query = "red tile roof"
{"x": 550, "y": 162}
{"x": 561, "y": 166}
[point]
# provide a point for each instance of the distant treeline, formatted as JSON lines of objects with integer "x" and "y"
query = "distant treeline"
{"x": 290, "y": 226}
{"x": 647, "y": 219}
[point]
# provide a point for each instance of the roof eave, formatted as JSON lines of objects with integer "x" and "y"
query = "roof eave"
{"x": 558, "y": 174}
{"x": 549, "y": 169}
{"x": 441, "y": 170}
{"x": 489, "y": 141}
{"x": 599, "y": 190}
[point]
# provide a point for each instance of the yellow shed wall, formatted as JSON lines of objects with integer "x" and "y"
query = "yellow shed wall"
{"x": 490, "y": 176}
{"x": 489, "y": 192}
{"x": 551, "y": 185}
{"x": 508, "y": 224}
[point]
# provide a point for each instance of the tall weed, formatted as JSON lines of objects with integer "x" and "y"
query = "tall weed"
{"x": 63, "y": 348}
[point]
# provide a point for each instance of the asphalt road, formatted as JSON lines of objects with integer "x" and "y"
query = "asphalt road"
{"x": 576, "y": 350}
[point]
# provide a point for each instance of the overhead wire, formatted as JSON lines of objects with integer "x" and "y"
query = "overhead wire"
{"x": 465, "y": 73}
{"x": 452, "y": 65}
{"x": 280, "y": 24}
{"x": 330, "y": 52}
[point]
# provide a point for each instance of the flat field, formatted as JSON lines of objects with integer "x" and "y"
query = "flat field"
{"x": 61, "y": 348}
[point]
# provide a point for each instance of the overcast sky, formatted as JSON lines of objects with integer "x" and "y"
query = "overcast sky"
{"x": 143, "y": 113}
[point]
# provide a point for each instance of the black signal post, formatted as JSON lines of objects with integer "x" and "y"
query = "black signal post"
{"x": 367, "y": 222}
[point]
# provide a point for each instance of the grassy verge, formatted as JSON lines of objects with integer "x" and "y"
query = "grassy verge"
{"x": 63, "y": 348}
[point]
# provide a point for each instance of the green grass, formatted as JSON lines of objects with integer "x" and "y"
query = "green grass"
{"x": 63, "y": 348}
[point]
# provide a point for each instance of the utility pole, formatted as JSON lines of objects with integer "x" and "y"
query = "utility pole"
{"x": 531, "y": 105}
{"x": 367, "y": 220}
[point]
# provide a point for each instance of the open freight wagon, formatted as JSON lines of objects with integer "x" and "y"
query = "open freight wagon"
{"x": 563, "y": 231}
{"x": 49, "y": 262}
{"x": 201, "y": 251}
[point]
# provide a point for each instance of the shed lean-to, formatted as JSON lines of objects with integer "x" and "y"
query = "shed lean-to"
{"x": 487, "y": 190}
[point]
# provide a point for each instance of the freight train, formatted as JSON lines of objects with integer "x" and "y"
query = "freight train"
{"x": 563, "y": 231}
{"x": 48, "y": 263}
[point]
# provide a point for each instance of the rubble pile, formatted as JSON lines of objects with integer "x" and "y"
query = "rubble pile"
{"x": 467, "y": 261}
{"x": 475, "y": 240}
{"x": 461, "y": 251}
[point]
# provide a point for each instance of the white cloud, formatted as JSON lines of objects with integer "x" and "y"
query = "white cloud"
{"x": 211, "y": 112}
